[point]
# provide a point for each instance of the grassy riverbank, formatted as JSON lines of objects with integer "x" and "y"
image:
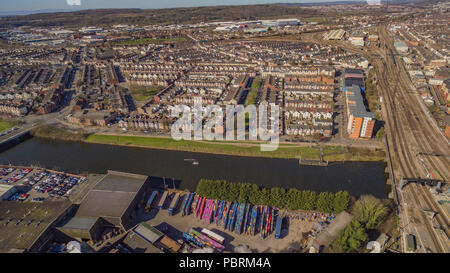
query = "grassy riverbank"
{"x": 331, "y": 153}
{"x": 4, "y": 125}
{"x": 7, "y": 124}
{"x": 236, "y": 148}
{"x": 57, "y": 134}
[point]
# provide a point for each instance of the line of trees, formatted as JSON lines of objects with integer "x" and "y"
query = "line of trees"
{"x": 291, "y": 199}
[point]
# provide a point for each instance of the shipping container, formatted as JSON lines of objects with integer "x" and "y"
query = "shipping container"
{"x": 278, "y": 227}
{"x": 187, "y": 209}
{"x": 213, "y": 235}
{"x": 163, "y": 200}
{"x": 184, "y": 203}
{"x": 174, "y": 203}
{"x": 150, "y": 200}
{"x": 240, "y": 218}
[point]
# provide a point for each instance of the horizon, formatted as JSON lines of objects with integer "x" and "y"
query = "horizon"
{"x": 43, "y": 5}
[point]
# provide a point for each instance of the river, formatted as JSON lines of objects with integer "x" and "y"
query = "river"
{"x": 357, "y": 178}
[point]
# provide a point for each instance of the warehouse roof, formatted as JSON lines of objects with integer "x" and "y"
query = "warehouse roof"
{"x": 148, "y": 232}
{"x": 105, "y": 204}
{"x": 139, "y": 244}
{"x": 83, "y": 223}
{"x": 124, "y": 182}
{"x": 356, "y": 103}
{"x": 354, "y": 71}
{"x": 23, "y": 223}
{"x": 112, "y": 195}
{"x": 5, "y": 188}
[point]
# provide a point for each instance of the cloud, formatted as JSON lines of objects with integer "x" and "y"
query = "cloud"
{"x": 74, "y": 2}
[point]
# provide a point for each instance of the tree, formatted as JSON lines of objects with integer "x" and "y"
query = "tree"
{"x": 380, "y": 133}
{"x": 325, "y": 202}
{"x": 340, "y": 201}
{"x": 309, "y": 200}
{"x": 370, "y": 211}
{"x": 277, "y": 197}
{"x": 352, "y": 238}
{"x": 293, "y": 197}
{"x": 263, "y": 197}
{"x": 253, "y": 195}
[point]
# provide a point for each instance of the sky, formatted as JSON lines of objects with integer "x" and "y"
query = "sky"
{"x": 31, "y": 5}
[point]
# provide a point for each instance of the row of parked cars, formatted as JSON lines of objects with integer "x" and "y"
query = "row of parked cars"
{"x": 6, "y": 171}
{"x": 21, "y": 173}
{"x": 35, "y": 178}
{"x": 58, "y": 184}
{"x": 19, "y": 197}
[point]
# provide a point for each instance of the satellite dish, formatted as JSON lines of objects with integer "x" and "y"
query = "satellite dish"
{"x": 73, "y": 247}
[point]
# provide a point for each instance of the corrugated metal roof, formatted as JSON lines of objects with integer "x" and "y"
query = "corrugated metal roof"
{"x": 148, "y": 232}
{"x": 83, "y": 223}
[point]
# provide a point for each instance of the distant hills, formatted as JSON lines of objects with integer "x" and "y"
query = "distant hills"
{"x": 104, "y": 17}
{"x": 28, "y": 12}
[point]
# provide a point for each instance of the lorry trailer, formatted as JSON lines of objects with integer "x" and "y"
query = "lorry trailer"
{"x": 174, "y": 203}
{"x": 163, "y": 200}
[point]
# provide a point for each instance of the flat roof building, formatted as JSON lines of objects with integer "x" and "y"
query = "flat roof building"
{"x": 401, "y": 46}
{"x": 28, "y": 226}
{"x": 83, "y": 228}
{"x": 114, "y": 198}
{"x": 6, "y": 191}
{"x": 360, "y": 122}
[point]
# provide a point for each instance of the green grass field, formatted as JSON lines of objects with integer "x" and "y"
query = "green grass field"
{"x": 4, "y": 125}
{"x": 332, "y": 153}
{"x": 253, "y": 94}
{"x": 144, "y": 93}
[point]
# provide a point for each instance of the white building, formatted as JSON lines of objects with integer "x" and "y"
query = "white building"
{"x": 401, "y": 47}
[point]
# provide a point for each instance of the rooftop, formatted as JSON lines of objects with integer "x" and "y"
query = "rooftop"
{"x": 5, "y": 188}
{"x": 111, "y": 196}
{"x": 82, "y": 223}
{"x": 356, "y": 103}
{"x": 22, "y": 223}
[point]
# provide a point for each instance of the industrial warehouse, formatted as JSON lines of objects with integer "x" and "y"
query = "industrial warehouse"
{"x": 123, "y": 212}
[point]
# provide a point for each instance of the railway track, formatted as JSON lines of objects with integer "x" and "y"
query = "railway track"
{"x": 403, "y": 158}
{"x": 406, "y": 130}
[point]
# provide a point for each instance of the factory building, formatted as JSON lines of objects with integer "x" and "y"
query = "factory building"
{"x": 353, "y": 77}
{"x": 114, "y": 199}
{"x": 336, "y": 34}
{"x": 29, "y": 226}
{"x": 360, "y": 122}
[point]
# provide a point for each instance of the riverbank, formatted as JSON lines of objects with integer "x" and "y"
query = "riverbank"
{"x": 286, "y": 151}
{"x": 7, "y": 124}
{"x": 234, "y": 148}
{"x": 170, "y": 166}
{"x": 54, "y": 133}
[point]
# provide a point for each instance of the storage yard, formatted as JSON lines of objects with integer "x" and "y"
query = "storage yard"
{"x": 232, "y": 225}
